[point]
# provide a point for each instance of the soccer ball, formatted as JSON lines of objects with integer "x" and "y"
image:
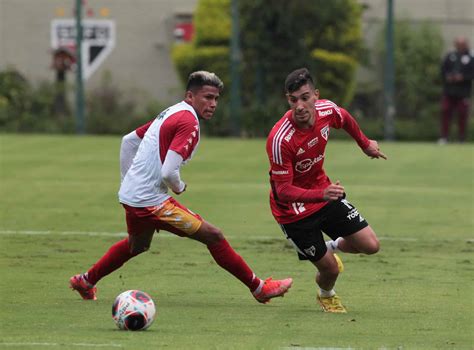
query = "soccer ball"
{"x": 133, "y": 310}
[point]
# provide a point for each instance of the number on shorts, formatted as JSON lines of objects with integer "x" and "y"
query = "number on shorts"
{"x": 298, "y": 208}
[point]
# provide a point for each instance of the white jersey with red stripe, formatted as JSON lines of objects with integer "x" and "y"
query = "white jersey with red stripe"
{"x": 177, "y": 129}
{"x": 297, "y": 155}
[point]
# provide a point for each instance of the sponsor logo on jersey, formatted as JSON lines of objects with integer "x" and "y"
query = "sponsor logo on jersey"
{"x": 325, "y": 113}
{"x": 310, "y": 251}
{"x": 306, "y": 164}
{"x": 162, "y": 114}
{"x": 279, "y": 172}
{"x": 290, "y": 135}
{"x": 300, "y": 151}
{"x": 465, "y": 59}
{"x": 353, "y": 214}
{"x": 313, "y": 142}
{"x": 325, "y": 132}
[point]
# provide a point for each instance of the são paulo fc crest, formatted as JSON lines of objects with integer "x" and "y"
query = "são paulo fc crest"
{"x": 310, "y": 251}
{"x": 325, "y": 132}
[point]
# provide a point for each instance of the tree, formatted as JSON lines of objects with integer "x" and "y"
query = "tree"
{"x": 324, "y": 36}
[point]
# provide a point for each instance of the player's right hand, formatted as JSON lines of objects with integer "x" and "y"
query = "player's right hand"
{"x": 373, "y": 150}
{"x": 333, "y": 192}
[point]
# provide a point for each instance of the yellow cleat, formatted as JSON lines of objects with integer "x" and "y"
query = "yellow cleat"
{"x": 340, "y": 265}
{"x": 332, "y": 304}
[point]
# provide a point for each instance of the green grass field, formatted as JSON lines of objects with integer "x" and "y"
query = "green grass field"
{"x": 59, "y": 213}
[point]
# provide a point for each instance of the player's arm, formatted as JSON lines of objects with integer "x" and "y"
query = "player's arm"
{"x": 286, "y": 192}
{"x": 129, "y": 147}
{"x": 180, "y": 149}
{"x": 468, "y": 73}
{"x": 281, "y": 175}
{"x": 170, "y": 172}
{"x": 350, "y": 125}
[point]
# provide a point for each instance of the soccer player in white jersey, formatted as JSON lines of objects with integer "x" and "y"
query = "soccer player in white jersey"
{"x": 150, "y": 161}
{"x": 303, "y": 199}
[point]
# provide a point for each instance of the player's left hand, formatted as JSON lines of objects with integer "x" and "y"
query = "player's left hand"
{"x": 184, "y": 189}
{"x": 373, "y": 150}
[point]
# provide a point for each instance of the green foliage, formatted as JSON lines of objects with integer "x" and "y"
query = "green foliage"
{"x": 111, "y": 110}
{"x": 275, "y": 40}
{"x": 189, "y": 58}
{"x": 335, "y": 75}
{"x": 25, "y": 107}
{"x": 212, "y": 22}
{"x": 340, "y": 26}
{"x": 418, "y": 51}
{"x": 209, "y": 51}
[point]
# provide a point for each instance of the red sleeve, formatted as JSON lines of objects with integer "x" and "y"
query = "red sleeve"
{"x": 281, "y": 168}
{"x": 186, "y": 136}
{"x": 287, "y": 192}
{"x": 142, "y": 129}
{"x": 349, "y": 124}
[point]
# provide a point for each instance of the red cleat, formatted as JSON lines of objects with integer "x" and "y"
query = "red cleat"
{"x": 272, "y": 289}
{"x": 84, "y": 288}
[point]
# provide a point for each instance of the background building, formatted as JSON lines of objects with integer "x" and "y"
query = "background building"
{"x": 146, "y": 30}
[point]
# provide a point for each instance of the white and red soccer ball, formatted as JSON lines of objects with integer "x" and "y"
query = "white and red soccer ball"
{"x": 133, "y": 310}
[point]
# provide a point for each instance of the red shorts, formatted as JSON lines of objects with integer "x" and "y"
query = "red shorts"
{"x": 170, "y": 216}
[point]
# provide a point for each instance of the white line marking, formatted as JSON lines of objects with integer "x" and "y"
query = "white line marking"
{"x": 167, "y": 235}
{"x": 63, "y": 233}
{"x": 312, "y": 348}
{"x": 64, "y": 344}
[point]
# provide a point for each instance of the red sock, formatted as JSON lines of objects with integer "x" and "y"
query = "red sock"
{"x": 226, "y": 257}
{"x": 116, "y": 256}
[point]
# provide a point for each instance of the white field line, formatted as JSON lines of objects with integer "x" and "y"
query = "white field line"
{"x": 89, "y": 345}
{"x": 62, "y": 233}
{"x": 312, "y": 348}
{"x": 167, "y": 235}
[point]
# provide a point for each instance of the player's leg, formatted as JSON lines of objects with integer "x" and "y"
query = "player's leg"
{"x": 193, "y": 226}
{"x": 350, "y": 231}
{"x": 114, "y": 258}
{"x": 328, "y": 271}
{"x": 364, "y": 241}
{"x": 140, "y": 231}
{"x": 140, "y": 227}
{"x": 446, "y": 114}
{"x": 463, "y": 110}
{"x": 307, "y": 239}
{"x": 224, "y": 255}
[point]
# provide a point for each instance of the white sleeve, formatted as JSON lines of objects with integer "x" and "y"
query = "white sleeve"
{"x": 170, "y": 172}
{"x": 128, "y": 149}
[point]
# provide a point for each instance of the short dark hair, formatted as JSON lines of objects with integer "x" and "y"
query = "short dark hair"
{"x": 197, "y": 80}
{"x": 297, "y": 79}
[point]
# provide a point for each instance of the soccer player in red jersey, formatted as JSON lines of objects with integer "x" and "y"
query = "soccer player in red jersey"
{"x": 303, "y": 199}
{"x": 150, "y": 162}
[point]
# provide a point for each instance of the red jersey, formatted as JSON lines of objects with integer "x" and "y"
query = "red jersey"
{"x": 297, "y": 156}
{"x": 177, "y": 131}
